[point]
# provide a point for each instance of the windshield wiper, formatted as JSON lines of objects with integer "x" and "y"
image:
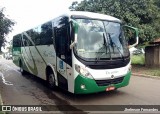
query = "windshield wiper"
{"x": 113, "y": 43}
{"x": 105, "y": 44}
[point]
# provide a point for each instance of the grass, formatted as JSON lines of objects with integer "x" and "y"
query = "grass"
{"x": 138, "y": 59}
{"x": 154, "y": 72}
{"x": 139, "y": 69}
{"x": 138, "y": 66}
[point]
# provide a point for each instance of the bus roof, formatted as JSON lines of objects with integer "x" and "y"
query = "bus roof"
{"x": 92, "y": 15}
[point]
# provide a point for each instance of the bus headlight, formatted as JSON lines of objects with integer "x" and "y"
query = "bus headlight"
{"x": 83, "y": 71}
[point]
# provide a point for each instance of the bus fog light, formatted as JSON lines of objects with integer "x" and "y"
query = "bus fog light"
{"x": 83, "y": 86}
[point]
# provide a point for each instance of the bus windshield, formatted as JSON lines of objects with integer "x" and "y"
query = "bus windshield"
{"x": 98, "y": 39}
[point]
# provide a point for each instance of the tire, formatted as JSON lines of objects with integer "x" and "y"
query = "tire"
{"x": 23, "y": 72}
{"x": 51, "y": 81}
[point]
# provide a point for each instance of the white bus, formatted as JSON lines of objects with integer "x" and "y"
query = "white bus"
{"x": 81, "y": 52}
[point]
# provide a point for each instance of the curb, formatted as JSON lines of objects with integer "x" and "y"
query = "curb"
{"x": 146, "y": 76}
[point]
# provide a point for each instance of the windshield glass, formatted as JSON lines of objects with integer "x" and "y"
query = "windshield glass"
{"x": 97, "y": 39}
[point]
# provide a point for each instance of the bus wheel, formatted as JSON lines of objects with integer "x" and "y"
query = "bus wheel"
{"x": 51, "y": 81}
{"x": 23, "y": 72}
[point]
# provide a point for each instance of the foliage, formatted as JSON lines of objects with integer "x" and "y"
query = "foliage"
{"x": 143, "y": 14}
{"x": 9, "y": 48}
{"x": 138, "y": 59}
{"x": 5, "y": 27}
{"x": 157, "y": 3}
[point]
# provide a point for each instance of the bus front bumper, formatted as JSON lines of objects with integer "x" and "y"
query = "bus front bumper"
{"x": 85, "y": 85}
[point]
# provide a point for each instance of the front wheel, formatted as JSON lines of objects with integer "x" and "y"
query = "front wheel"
{"x": 51, "y": 81}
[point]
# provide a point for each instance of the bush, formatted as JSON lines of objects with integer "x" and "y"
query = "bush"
{"x": 138, "y": 59}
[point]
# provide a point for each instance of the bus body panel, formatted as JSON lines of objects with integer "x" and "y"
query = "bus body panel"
{"x": 36, "y": 58}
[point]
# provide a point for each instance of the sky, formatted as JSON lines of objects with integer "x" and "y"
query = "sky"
{"x": 30, "y": 13}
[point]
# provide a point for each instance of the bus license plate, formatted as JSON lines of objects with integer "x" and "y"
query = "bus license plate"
{"x": 110, "y": 88}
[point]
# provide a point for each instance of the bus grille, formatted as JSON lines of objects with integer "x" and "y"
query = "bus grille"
{"x": 109, "y": 82}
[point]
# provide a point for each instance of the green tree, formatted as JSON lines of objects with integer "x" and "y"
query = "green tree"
{"x": 5, "y": 27}
{"x": 157, "y": 2}
{"x": 143, "y": 14}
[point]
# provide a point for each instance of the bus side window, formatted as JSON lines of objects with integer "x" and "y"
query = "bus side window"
{"x": 60, "y": 31}
{"x": 26, "y": 41}
{"x": 46, "y": 34}
{"x": 61, "y": 41}
{"x": 17, "y": 41}
{"x": 36, "y": 35}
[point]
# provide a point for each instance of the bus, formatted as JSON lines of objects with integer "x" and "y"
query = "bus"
{"x": 80, "y": 52}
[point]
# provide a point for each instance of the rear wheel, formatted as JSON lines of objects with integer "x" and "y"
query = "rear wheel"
{"x": 51, "y": 81}
{"x": 23, "y": 72}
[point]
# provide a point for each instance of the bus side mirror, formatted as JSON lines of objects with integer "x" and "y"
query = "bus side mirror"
{"x": 131, "y": 35}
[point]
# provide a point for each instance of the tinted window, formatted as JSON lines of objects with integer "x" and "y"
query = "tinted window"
{"x": 28, "y": 38}
{"x": 61, "y": 34}
{"x": 42, "y": 35}
{"x": 17, "y": 41}
{"x": 36, "y": 36}
{"x": 26, "y": 41}
{"x": 32, "y": 35}
{"x": 62, "y": 39}
{"x": 46, "y": 34}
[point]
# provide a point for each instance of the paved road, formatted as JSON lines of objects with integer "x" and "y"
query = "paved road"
{"x": 28, "y": 90}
